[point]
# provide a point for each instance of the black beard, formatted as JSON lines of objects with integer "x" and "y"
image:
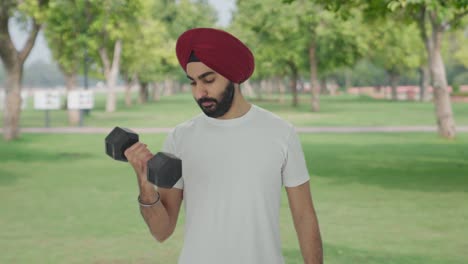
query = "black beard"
{"x": 219, "y": 108}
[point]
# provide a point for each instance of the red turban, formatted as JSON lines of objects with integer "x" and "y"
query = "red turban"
{"x": 218, "y": 50}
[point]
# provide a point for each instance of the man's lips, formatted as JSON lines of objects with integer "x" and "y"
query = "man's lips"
{"x": 207, "y": 104}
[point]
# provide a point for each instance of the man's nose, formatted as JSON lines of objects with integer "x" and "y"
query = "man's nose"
{"x": 200, "y": 91}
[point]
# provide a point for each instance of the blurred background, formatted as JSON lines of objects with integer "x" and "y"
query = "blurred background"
{"x": 378, "y": 91}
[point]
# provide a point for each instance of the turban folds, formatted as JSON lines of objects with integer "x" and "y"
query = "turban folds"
{"x": 218, "y": 50}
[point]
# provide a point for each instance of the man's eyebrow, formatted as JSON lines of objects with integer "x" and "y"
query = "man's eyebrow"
{"x": 203, "y": 75}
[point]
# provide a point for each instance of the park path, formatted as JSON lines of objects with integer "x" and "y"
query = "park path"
{"x": 319, "y": 129}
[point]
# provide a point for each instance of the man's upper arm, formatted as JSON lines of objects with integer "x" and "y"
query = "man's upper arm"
{"x": 171, "y": 199}
{"x": 294, "y": 168}
{"x": 300, "y": 200}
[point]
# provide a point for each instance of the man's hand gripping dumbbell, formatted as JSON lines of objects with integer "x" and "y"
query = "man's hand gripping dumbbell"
{"x": 162, "y": 169}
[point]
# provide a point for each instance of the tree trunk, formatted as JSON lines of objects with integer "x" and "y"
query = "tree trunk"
{"x": 12, "y": 108}
{"x": 177, "y": 87}
{"x": 276, "y": 82}
{"x": 129, "y": 81}
{"x": 257, "y": 90}
{"x": 323, "y": 86}
{"x": 128, "y": 93}
{"x": 156, "y": 92}
{"x": 13, "y": 61}
{"x": 168, "y": 87}
{"x": 394, "y": 77}
{"x": 111, "y": 71}
{"x": 185, "y": 88}
{"x": 443, "y": 105}
{"x": 269, "y": 86}
{"x": 424, "y": 81}
{"x": 144, "y": 93}
{"x": 263, "y": 87}
{"x": 293, "y": 83}
{"x": 282, "y": 90}
{"x": 333, "y": 88}
{"x": 314, "y": 83}
{"x": 348, "y": 79}
{"x": 73, "y": 114}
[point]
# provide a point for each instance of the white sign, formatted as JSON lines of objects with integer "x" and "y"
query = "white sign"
{"x": 47, "y": 100}
{"x": 24, "y": 99}
{"x": 80, "y": 99}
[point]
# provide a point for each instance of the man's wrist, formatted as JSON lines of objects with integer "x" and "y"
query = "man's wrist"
{"x": 148, "y": 197}
{"x": 144, "y": 203}
{"x": 147, "y": 192}
{"x": 143, "y": 183}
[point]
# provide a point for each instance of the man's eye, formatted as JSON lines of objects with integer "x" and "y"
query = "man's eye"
{"x": 209, "y": 81}
{"x": 192, "y": 83}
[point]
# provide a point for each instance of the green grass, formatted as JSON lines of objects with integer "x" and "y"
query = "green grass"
{"x": 380, "y": 198}
{"x": 344, "y": 110}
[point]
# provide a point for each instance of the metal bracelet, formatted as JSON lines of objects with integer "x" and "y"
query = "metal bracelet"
{"x": 151, "y": 204}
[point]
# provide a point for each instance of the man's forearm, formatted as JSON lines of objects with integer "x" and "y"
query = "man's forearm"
{"x": 309, "y": 239}
{"x": 156, "y": 217}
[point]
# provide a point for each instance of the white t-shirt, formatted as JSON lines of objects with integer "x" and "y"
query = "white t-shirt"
{"x": 232, "y": 174}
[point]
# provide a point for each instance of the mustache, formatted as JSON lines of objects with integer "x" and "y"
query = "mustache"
{"x": 206, "y": 99}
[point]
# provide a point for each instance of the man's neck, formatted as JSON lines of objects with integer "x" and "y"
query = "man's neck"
{"x": 239, "y": 107}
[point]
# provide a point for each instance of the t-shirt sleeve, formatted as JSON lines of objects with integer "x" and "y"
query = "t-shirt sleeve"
{"x": 294, "y": 170}
{"x": 170, "y": 147}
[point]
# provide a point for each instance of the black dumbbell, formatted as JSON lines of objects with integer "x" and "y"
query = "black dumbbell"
{"x": 164, "y": 169}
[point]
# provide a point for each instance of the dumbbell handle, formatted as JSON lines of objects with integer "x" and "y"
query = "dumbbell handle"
{"x": 164, "y": 169}
{"x": 118, "y": 140}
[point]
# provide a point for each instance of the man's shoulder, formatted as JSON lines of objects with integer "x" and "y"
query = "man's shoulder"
{"x": 186, "y": 126}
{"x": 270, "y": 119}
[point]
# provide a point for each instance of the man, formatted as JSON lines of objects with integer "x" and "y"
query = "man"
{"x": 236, "y": 157}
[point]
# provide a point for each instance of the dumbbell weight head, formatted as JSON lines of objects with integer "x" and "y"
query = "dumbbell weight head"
{"x": 164, "y": 170}
{"x": 118, "y": 140}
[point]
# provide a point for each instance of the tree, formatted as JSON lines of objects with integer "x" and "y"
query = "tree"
{"x": 434, "y": 18}
{"x": 441, "y": 15}
{"x": 180, "y": 16}
{"x": 31, "y": 12}
{"x": 111, "y": 21}
{"x": 152, "y": 35}
{"x": 456, "y": 57}
{"x": 333, "y": 42}
{"x": 273, "y": 34}
{"x": 298, "y": 36}
{"x": 395, "y": 47}
{"x": 455, "y": 46}
{"x": 65, "y": 32}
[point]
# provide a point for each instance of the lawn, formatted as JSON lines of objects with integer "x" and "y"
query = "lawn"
{"x": 380, "y": 198}
{"x": 343, "y": 110}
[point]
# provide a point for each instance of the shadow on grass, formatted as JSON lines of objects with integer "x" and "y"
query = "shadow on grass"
{"x": 338, "y": 254}
{"x": 29, "y": 155}
{"x": 336, "y": 104}
{"x": 409, "y": 166}
{"x": 6, "y": 178}
{"x": 19, "y": 154}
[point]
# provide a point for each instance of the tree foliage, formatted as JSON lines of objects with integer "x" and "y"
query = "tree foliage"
{"x": 396, "y": 46}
